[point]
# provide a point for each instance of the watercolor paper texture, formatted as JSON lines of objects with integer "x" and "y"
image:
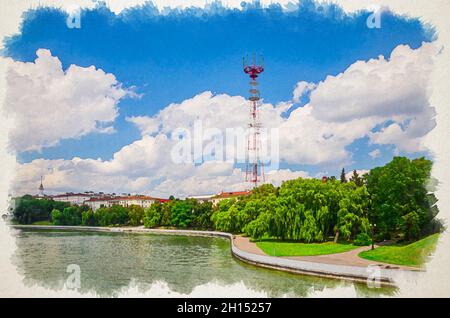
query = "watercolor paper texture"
{"x": 114, "y": 109}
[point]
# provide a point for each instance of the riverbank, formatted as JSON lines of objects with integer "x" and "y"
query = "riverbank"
{"x": 246, "y": 251}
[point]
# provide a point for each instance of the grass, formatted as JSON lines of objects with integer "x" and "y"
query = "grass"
{"x": 42, "y": 223}
{"x": 414, "y": 254}
{"x": 278, "y": 248}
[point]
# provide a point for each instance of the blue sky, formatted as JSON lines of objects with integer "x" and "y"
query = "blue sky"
{"x": 170, "y": 58}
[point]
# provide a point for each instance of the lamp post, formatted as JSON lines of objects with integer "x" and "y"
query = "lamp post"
{"x": 373, "y": 226}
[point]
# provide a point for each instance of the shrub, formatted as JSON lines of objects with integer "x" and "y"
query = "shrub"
{"x": 362, "y": 239}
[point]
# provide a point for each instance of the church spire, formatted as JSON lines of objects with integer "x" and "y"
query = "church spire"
{"x": 41, "y": 189}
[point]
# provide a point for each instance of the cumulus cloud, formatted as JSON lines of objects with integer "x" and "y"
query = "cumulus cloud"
{"x": 360, "y": 173}
{"x": 142, "y": 167}
{"x": 382, "y": 91}
{"x": 215, "y": 111}
{"x": 375, "y": 153}
{"x": 301, "y": 89}
{"x": 397, "y": 86}
{"x": 50, "y": 104}
{"x": 385, "y": 100}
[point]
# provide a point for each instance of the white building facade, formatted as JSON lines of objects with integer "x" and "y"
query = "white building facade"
{"x": 72, "y": 198}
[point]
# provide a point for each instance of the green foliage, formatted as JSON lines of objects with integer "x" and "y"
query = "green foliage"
{"x": 400, "y": 202}
{"x": 362, "y": 239}
{"x": 182, "y": 213}
{"x": 153, "y": 215}
{"x": 69, "y": 216}
{"x": 115, "y": 215}
{"x": 356, "y": 179}
{"x": 343, "y": 177}
{"x": 310, "y": 210}
{"x": 57, "y": 217}
{"x": 202, "y": 216}
{"x": 410, "y": 225}
{"x": 87, "y": 218}
{"x": 29, "y": 210}
{"x": 397, "y": 198}
{"x": 135, "y": 215}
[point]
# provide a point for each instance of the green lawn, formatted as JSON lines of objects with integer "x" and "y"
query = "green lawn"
{"x": 42, "y": 223}
{"x": 277, "y": 248}
{"x": 414, "y": 254}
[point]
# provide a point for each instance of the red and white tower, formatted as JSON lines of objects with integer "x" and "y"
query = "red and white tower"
{"x": 255, "y": 168}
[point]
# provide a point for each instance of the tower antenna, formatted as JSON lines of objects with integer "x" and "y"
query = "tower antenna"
{"x": 254, "y": 167}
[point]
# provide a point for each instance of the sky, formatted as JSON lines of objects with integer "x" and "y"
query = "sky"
{"x": 95, "y": 106}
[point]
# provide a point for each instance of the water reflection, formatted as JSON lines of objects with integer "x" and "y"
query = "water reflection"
{"x": 110, "y": 261}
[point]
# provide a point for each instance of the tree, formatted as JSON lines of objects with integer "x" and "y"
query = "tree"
{"x": 115, "y": 215}
{"x": 118, "y": 215}
{"x": 29, "y": 210}
{"x": 303, "y": 209}
{"x": 69, "y": 216}
{"x": 87, "y": 218}
{"x": 135, "y": 215}
{"x": 398, "y": 189}
{"x": 343, "y": 177}
{"x": 182, "y": 213}
{"x": 222, "y": 217}
{"x": 202, "y": 215}
{"x": 153, "y": 215}
{"x": 357, "y": 179}
{"x": 411, "y": 226}
{"x": 166, "y": 213}
{"x": 57, "y": 218}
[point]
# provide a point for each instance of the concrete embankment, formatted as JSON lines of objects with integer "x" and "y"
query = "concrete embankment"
{"x": 252, "y": 255}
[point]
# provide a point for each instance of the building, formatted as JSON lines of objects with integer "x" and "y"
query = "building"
{"x": 228, "y": 195}
{"x": 141, "y": 200}
{"x": 125, "y": 201}
{"x": 202, "y": 198}
{"x": 72, "y": 198}
{"x": 97, "y": 203}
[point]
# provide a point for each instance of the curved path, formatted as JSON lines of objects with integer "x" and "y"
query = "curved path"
{"x": 341, "y": 266}
{"x": 345, "y": 258}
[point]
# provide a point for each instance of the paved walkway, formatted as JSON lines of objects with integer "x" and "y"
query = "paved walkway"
{"x": 349, "y": 258}
{"x": 243, "y": 243}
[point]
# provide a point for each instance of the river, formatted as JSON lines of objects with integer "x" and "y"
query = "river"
{"x": 109, "y": 262}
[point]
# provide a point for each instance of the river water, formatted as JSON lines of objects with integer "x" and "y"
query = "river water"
{"x": 109, "y": 262}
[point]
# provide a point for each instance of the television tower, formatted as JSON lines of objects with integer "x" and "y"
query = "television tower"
{"x": 254, "y": 167}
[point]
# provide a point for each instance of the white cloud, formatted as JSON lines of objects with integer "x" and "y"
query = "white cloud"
{"x": 301, "y": 89}
{"x": 317, "y": 133}
{"x": 407, "y": 135}
{"x": 360, "y": 173}
{"x": 49, "y": 104}
{"x": 380, "y": 90}
{"x": 142, "y": 167}
{"x": 215, "y": 111}
{"x": 375, "y": 153}
{"x": 380, "y": 87}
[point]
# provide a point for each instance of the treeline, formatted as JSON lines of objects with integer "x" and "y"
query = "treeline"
{"x": 28, "y": 210}
{"x": 393, "y": 201}
{"x": 107, "y": 216}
